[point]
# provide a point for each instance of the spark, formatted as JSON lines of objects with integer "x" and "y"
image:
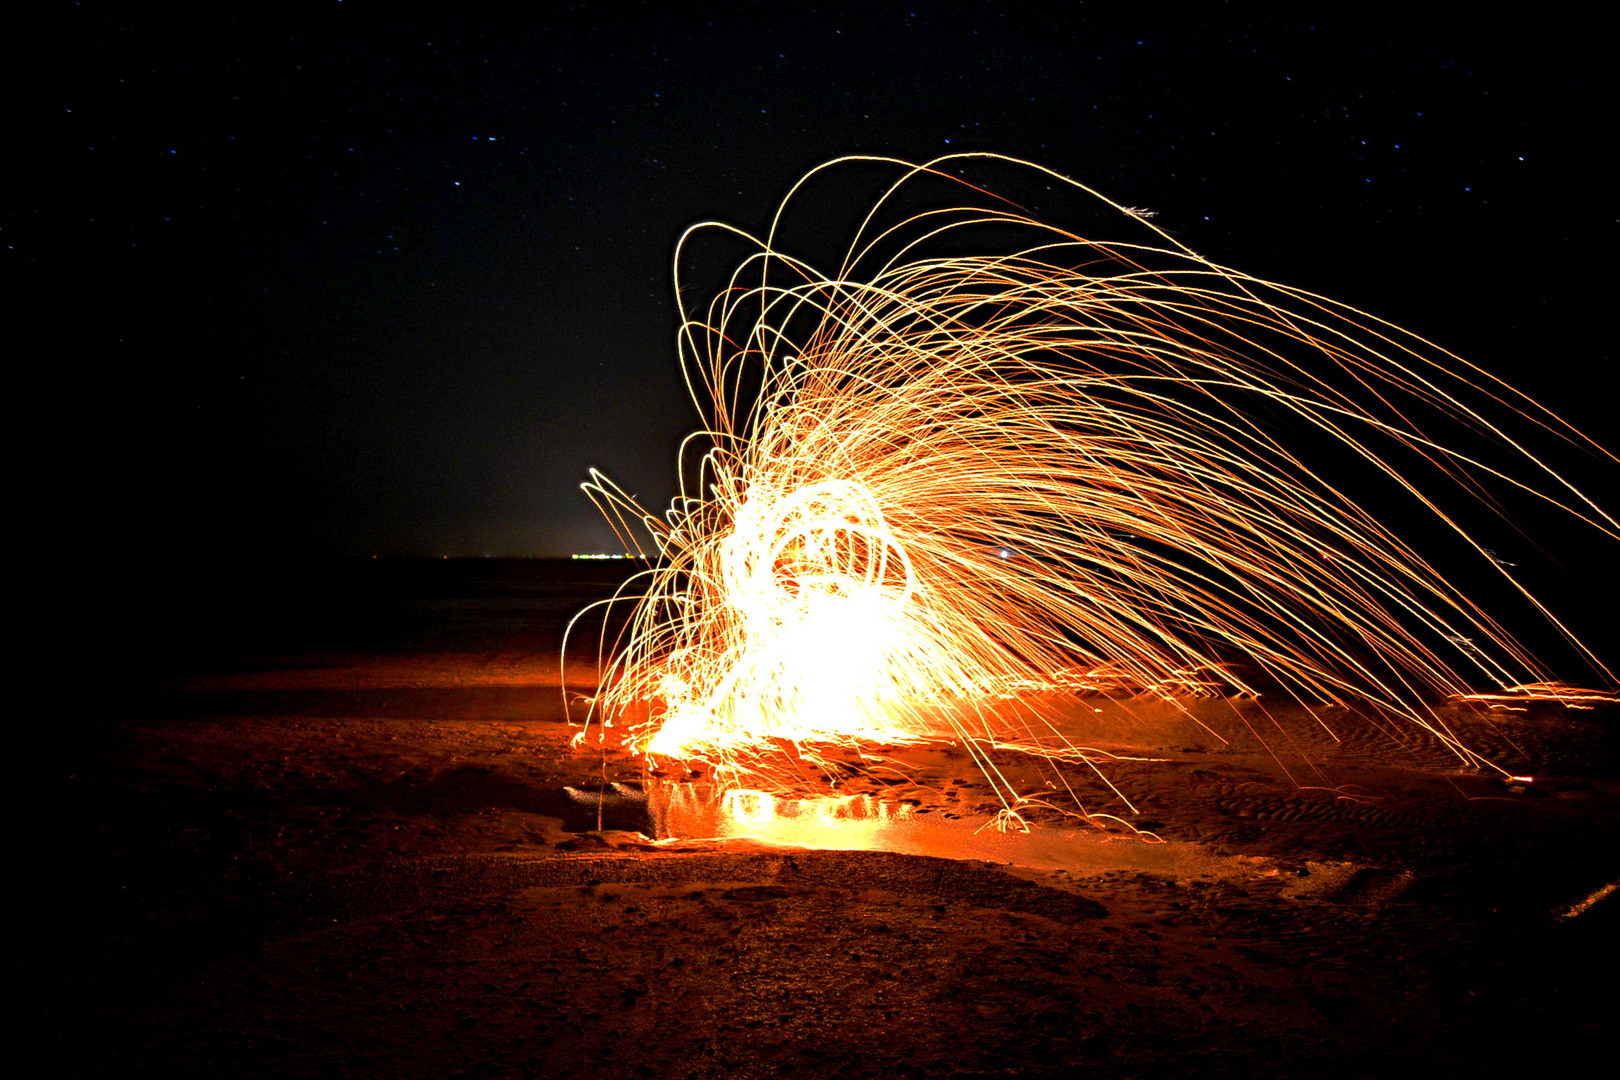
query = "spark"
{"x": 929, "y": 484}
{"x": 1583, "y": 905}
{"x": 1511, "y": 697}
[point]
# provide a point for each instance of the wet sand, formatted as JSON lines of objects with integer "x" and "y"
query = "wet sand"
{"x": 386, "y": 862}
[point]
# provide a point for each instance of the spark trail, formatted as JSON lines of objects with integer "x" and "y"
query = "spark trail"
{"x": 929, "y": 482}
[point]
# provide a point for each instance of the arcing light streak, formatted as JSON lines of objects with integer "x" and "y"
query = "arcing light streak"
{"x": 928, "y": 481}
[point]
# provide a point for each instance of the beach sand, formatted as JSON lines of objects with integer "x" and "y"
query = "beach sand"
{"x": 296, "y": 862}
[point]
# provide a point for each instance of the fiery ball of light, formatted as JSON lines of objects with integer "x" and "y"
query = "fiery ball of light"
{"x": 929, "y": 481}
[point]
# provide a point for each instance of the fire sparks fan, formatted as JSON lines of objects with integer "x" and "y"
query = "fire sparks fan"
{"x": 930, "y": 480}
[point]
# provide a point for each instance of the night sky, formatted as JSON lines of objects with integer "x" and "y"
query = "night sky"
{"x": 338, "y": 280}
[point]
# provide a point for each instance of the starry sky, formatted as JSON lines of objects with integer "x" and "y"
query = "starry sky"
{"x": 333, "y": 279}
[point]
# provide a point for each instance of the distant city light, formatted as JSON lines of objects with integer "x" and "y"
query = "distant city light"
{"x": 599, "y": 556}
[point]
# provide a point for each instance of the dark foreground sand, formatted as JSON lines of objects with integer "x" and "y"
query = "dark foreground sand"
{"x": 369, "y": 864}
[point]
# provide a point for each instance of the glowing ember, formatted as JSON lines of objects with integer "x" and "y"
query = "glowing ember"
{"x": 930, "y": 482}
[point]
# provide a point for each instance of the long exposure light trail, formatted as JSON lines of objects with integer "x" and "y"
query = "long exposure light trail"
{"x": 930, "y": 482}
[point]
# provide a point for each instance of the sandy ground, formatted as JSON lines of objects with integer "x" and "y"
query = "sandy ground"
{"x": 370, "y": 864}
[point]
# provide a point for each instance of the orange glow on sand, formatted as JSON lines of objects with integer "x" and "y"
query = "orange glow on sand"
{"x": 929, "y": 484}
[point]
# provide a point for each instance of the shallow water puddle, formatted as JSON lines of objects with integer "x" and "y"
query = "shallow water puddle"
{"x": 686, "y": 812}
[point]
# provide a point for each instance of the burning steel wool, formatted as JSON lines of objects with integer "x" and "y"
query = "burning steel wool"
{"x": 931, "y": 483}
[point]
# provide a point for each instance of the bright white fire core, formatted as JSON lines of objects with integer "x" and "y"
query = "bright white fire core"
{"x": 821, "y": 594}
